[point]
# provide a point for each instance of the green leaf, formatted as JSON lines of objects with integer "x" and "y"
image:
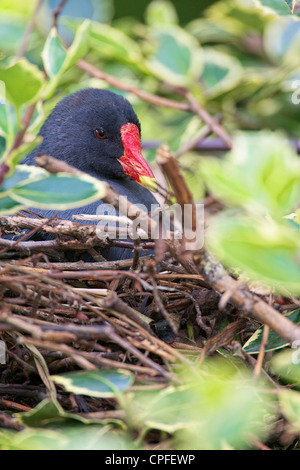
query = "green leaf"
{"x": 17, "y": 155}
{"x": 239, "y": 19}
{"x": 2, "y": 94}
{"x": 74, "y": 191}
{"x": 49, "y": 413}
{"x": 8, "y": 125}
{"x": 282, "y": 42}
{"x": 266, "y": 250}
{"x": 291, "y": 4}
{"x": 3, "y": 120}
{"x": 227, "y": 405}
{"x": 20, "y": 175}
{"x": 286, "y": 365}
{"x": 11, "y": 31}
{"x": 9, "y": 205}
{"x": 216, "y": 175}
{"x": 114, "y": 44}
{"x": 209, "y": 30}
{"x": 79, "y": 46}
{"x": 216, "y": 390}
{"x": 95, "y": 383}
{"x": 25, "y": 9}
{"x": 274, "y": 340}
{"x": 31, "y": 186}
{"x": 43, "y": 414}
{"x": 58, "y": 60}
{"x": 290, "y": 407}
{"x": 178, "y": 58}
{"x": 221, "y": 72}
{"x": 67, "y": 438}
{"x": 23, "y": 81}
{"x": 281, "y": 7}
{"x": 166, "y": 410}
{"x": 59, "y": 430}
{"x": 54, "y": 54}
{"x": 262, "y": 172}
{"x": 190, "y": 166}
{"x": 161, "y": 12}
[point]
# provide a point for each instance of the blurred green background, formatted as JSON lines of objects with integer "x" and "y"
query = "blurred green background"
{"x": 240, "y": 60}
{"x": 187, "y": 10}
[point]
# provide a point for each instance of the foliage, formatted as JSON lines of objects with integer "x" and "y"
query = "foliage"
{"x": 239, "y": 406}
{"x": 239, "y": 59}
{"x": 25, "y": 186}
{"x": 260, "y": 181}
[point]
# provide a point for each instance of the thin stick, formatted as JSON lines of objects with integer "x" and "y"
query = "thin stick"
{"x": 171, "y": 170}
{"x": 121, "y": 203}
{"x": 115, "y": 82}
{"x": 215, "y": 274}
{"x": 28, "y": 30}
{"x": 57, "y": 12}
{"x": 80, "y": 265}
{"x": 196, "y": 141}
{"x": 262, "y": 350}
{"x": 206, "y": 117}
{"x": 192, "y": 106}
{"x": 25, "y": 124}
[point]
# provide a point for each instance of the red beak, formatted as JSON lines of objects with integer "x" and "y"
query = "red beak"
{"x": 133, "y": 162}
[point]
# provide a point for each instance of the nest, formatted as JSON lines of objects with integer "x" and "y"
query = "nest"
{"x": 60, "y": 313}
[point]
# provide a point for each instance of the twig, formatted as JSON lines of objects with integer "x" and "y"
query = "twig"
{"x": 145, "y": 360}
{"x": 121, "y": 203}
{"x": 192, "y": 105}
{"x": 115, "y": 82}
{"x": 88, "y": 300}
{"x": 197, "y": 140}
{"x": 77, "y": 356}
{"x": 83, "y": 275}
{"x": 57, "y": 12}
{"x": 8, "y": 422}
{"x": 29, "y": 29}
{"x": 217, "y": 277}
{"x": 112, "y": 302}
{"x": 85, "y": 235}
{"x": 25, "y": 124}
{"x": 107, "y": 218}
{"x": 262, "y": 349}
{"x": 54, "y": 226}
{"x": 206, "y": 117}
{"x": 79, "y": 265}
{"x": 14, "y": 406}
{"x": 171, "y": 170}
{"x": 136, "y": 255}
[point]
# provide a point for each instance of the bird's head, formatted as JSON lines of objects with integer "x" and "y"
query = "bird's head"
{"x": 98, "y": 132}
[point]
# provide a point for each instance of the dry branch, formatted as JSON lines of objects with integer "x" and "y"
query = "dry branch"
{"x": 190, "y": 106}
{"x": 55, "y": 307}
{"x": 171, "y": 170}
{"x": 215, "y": 274}
{"x": 111, "y": 196}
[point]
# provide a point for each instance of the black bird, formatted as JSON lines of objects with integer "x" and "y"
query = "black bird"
{"x": 98, "y": 132}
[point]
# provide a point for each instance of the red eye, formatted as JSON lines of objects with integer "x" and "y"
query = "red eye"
{"x": 100, "y": 133}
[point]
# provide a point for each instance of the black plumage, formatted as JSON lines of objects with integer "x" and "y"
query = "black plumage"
{"x": 71, "y": 134}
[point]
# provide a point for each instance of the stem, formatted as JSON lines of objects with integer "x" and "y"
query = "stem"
{"x": 28, "y": 30}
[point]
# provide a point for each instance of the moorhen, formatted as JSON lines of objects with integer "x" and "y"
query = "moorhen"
{"x": 98, "y": 132}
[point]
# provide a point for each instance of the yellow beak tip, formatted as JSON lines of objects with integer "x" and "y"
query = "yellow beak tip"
{"x": 149, "y": 183}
